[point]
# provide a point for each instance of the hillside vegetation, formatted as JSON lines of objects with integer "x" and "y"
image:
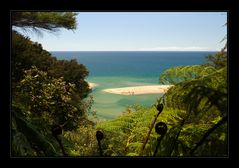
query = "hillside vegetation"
{"x": 51, "y": 104}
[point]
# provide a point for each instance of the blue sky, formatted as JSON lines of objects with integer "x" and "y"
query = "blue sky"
{"x": 140, "y": 31}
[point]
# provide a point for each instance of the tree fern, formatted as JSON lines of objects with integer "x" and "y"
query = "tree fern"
{"x": 183, "y": 73}
{"x": 204, "y": 99}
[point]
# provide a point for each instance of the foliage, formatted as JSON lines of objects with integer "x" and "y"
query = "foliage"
{"x": 209, "y": 91}
{"x": 82, "y": 142}
{"x": 72, "y": 72}
{"x": 40, "y": 102}
{"x": 50, "y": 99}
{"x": 26, "y": 54}
{"x": 45, "y": 91}
{"x": 124, "y": 135}
{"x": 204, "y": 100}
{"x": 26, "y": 139}
{"x": 219, "y": 60}
{"x": 50, "y": 21}
{"x": 183, "y": 73}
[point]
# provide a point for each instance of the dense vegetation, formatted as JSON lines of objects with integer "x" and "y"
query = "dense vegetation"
{"x": 45, "y": 92}
{"x": 50, "y": 104}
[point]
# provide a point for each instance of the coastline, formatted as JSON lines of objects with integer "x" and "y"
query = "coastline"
{"x": 92, "y": 85}
{"x": 148, "y": 89}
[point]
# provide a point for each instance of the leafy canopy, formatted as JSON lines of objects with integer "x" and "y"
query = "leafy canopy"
{"x": 50, "y": 21}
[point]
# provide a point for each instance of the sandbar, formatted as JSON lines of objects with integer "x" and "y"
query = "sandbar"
{"x": 136, "y": 90}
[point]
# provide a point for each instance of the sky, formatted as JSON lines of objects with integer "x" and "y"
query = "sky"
{"x": 139, "y": 31}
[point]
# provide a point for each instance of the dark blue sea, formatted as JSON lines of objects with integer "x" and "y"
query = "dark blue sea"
{"x": 112, "y": 69}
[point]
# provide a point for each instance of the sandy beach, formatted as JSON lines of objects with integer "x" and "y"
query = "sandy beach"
{"x": 150, "y": 89}
{"x": 92, "y": 85}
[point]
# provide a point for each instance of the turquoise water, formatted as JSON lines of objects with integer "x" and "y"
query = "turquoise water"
{"x": 125, "y": 69}
{"x": 110, "y": 105}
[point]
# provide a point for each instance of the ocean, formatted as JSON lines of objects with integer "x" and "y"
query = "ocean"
{"x": 113, "y": 69}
